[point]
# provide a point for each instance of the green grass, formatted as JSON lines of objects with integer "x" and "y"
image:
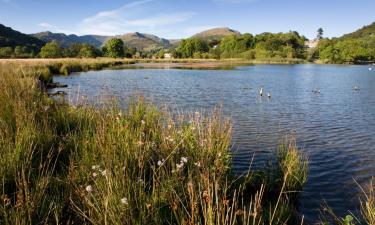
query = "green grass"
{"x": 82, "y": 165}
{"x": 366, "y": 215}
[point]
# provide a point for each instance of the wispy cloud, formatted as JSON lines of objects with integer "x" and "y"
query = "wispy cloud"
{"x": 129, "y": 18}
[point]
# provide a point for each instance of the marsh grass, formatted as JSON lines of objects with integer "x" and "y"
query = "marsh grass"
{"x": 365, "y": 216}
{"x": 83, "y": 165}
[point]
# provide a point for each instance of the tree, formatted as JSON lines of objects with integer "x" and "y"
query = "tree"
{"x": 6, "y": 52}
{"x": 73, "y": 50}
{"x": 51, "y": 50}
{"x": 114, "y": 48}
{"x": 319, "y": 34}
{"x": 23, "y": 52}
{"x": 88, "y": 51}
{"x": 190, "y": 47}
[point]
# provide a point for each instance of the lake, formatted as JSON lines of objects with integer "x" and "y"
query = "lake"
{"x": 336, "y": 127}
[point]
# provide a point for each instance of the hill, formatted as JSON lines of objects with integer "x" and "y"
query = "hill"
{"x": 216, "y": 34}
{"x": 67, "y": 40}
{"x": 146, "y": 42}
{"x": 137, "y": 40}
{"x": 12, "y": 38}
{"x": 365, "y": 31}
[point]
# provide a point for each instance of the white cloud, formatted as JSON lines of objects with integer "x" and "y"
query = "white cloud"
{"x": 131, "y": 18}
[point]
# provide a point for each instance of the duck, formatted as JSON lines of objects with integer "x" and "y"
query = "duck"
{"x": 269, "y": 95}
{"x": 261, "y": 92}
{"x": 316, "y": 91}
{"x": 356, "y": 88}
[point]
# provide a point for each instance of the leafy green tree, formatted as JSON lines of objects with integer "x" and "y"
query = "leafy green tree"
{"x": 51, "y": 50}
{"x": 88, "y": 51}
{"x": 232, "y": 46}
{"x": 160, "y": 54}
{"x": 285, "y": 45}
{"x": 188, "y": 47}
{"x": 114, "y": 48}
{"x": 73, "y": 50}
{"x": 6, "y": 52}
{"x": 23, "y": 52}
{"x": 319, "y": 34}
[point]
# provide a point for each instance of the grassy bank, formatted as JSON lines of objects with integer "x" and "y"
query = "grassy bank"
{"x": 65, "y": 165}
{"x": 43, "y": 69}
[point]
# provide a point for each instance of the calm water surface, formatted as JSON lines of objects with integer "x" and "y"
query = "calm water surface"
{"x": 336, "y": 128}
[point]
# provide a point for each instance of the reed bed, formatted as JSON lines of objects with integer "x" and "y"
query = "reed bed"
{"x": 64, "y": 164}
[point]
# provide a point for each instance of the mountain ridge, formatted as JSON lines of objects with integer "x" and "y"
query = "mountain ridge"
{"x": 12, "y": 38}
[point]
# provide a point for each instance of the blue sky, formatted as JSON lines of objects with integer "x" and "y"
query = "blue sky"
{"x": 183, "y": 18}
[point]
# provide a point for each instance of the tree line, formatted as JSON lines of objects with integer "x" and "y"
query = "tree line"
{"x": 114, "y": 48}
{"x": 261, "y": 46}
{"x": 348, "y": 49}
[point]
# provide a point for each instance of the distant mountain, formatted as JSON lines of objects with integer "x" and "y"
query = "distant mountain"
{"x": 67, "y": 40}
{"x": 365, "y": 31}
{"x": 140, "y": 41}
{"x": 146, "y": 42}
{"x": 216, "y": 34}
{"x": 12, "y": 38}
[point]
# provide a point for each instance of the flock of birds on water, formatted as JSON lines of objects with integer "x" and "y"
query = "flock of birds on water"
{"x": 315, "y": 91}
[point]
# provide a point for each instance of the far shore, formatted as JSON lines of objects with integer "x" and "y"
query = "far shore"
{"x": 159, "y": 63}
{"x": 128, "y": 63}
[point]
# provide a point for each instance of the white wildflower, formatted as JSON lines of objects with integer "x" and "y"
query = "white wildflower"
{"x": 160, "y": 162}
{"x": 95, "y": 167}
{"x": 94, "y": 174}
{"x": 198, "y": 164}
{"x": 104, "y": 172}
{"x": 184, "y": 159}
{"x": 124, "y": 201}
{"x": 89, "y": 188}
{"x": 179, "y": 166}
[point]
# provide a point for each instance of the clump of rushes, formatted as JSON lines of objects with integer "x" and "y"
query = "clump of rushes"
{"x": 284, "y": 177}
{"x": 366, "y": 216}
{"x": 368, "y": 205}
{"x": 86, "y": 165}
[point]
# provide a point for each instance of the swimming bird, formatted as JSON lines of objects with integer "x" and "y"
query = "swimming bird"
{"x": 269, "y": 95}
{"x": 370, "y": 68}
{"x": 316, "y": 91}
{"x": 356, "y": 88}
{"x": 261, "y": 92}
